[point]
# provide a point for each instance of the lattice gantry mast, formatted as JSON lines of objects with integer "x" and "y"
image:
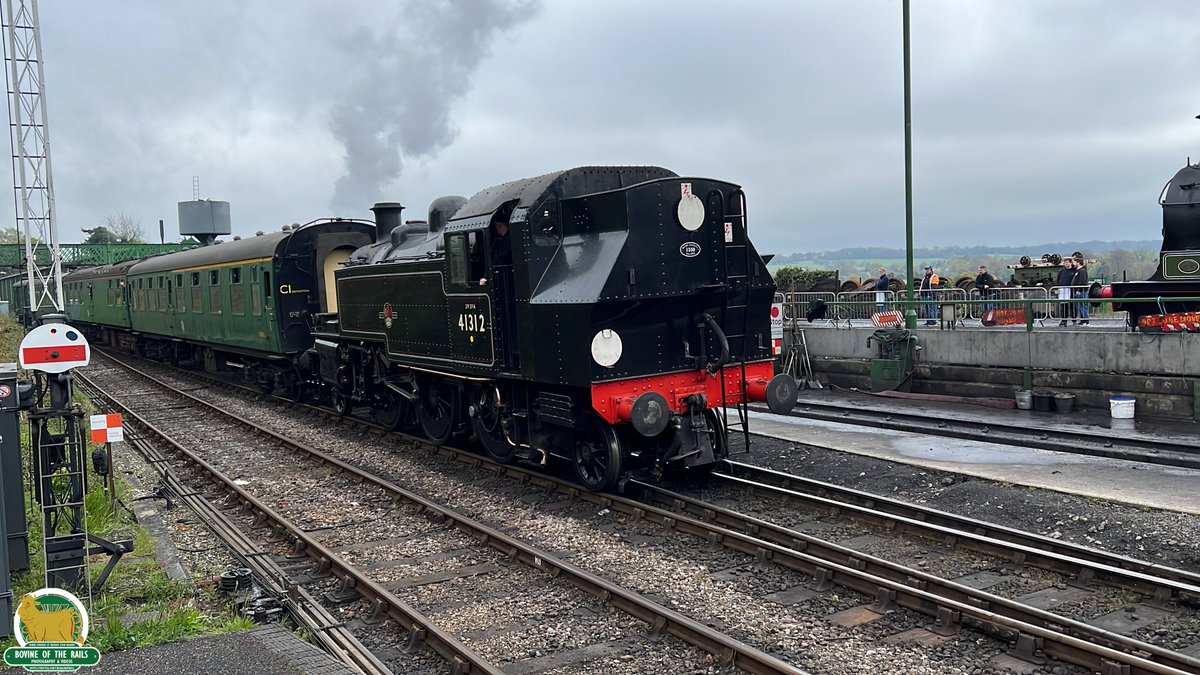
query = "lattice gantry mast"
{"x": 30, "y": 138}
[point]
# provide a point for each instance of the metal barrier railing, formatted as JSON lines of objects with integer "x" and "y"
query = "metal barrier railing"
{"x": 795, "y": 305}
{"x": 959, "y": 305}
{"x": 1035, "y": 303}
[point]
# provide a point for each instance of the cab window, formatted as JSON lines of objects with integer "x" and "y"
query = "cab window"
{"x": 464, "y": 256}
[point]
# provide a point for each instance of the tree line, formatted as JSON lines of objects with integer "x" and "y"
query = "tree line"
{"x": 115, "y": 228}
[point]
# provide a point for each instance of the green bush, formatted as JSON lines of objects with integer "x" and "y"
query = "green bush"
{"x": 800, "y": 278}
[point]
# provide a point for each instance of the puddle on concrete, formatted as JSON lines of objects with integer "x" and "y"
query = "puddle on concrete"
{"x": 972, "y": 452}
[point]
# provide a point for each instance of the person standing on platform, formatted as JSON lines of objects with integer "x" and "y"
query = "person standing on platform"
{"x": 882, "y": 286}
{"x": 1081, "y": 284}
{"x": 929, "y": 284}
{"x": 985, "y": 283}
{"x": 1066, "y": 277}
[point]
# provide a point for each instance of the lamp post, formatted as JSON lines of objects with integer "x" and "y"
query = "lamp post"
{"x": 910, "y": 313}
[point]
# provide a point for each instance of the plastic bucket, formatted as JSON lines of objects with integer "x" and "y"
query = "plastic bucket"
{"x": 1064, "y": 402}
{"x": 1043, "y": 401}
{"x": 1121, "y": 408}
{"x": 1024, "y": 399}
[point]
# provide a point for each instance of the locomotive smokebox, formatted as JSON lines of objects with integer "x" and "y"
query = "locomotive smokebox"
{"x": 387, "y": 218}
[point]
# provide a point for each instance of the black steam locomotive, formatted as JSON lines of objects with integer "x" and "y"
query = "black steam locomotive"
{"x": 622, "y": 313}
{"x": 630, "y": 309}
{"x": 1178, "y": 273}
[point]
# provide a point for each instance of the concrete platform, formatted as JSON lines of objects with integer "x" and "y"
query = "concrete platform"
{"x": 1162, "y": 372}
{"x": 269, "y": 650}
{"x": 1154, "y": 486}
{"x": 1089, "y": 420}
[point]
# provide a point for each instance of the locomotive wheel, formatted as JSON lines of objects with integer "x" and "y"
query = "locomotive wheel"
{"x": 598, "y": 456}
{"x": 390, "y": 410}
{"x": 340, "y": 402}
{"x": 486, "y": 424}
{"x": 437, "y": 412}
{"x": 719, "y": 436}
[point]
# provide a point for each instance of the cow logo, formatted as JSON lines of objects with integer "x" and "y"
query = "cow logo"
{"x": 689, "y": 249}
{"x": 387, "y": 314}
{"x": 51, "y": 626}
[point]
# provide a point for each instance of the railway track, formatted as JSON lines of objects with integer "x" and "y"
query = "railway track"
{"x": 1164, "y": 451}
{"x": 388, "y": 542}
{"x": 881, "y": 586}
{"x": 1161, "y": 590}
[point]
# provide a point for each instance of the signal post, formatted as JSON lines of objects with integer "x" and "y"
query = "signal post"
{"x": 51, "y": 350}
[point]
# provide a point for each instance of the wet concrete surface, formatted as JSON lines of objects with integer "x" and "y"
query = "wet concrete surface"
{"x": 1088, "y": 420}
{"x": 1150, "y": 485}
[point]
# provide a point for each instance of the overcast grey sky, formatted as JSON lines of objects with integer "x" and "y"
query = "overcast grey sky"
{"x": 1033, "y": 120}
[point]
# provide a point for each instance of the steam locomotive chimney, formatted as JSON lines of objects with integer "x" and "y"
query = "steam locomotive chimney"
{"x": 387, "y": 218}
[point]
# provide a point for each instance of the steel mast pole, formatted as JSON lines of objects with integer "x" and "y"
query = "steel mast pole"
{"x": 910, "y": 314}
{"x": 30, "y": 137}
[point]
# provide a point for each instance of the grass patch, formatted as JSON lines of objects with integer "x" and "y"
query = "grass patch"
{"x": 167, "y": 610}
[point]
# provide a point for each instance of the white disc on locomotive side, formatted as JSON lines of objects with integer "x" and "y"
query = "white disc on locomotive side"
{"x": 606, "y": 347}
{"x": 690, "y": 212}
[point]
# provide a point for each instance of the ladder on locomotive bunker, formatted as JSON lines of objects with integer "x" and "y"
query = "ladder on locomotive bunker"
{"x": 737, "y": 263}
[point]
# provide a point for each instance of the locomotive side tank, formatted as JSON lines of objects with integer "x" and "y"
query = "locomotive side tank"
{"x": 633, "y": 308}
{"x": 1178, "y": 273}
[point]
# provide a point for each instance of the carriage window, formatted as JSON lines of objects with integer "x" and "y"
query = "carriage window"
{"x": 151, "y": 298}
{"x": 197, "y": 298}
{"x": 214, "y": 277}
{"x": 162, "y": 299}
{"x": 544, "y": 223}
{"x": 256, "y": 299}
{"x": 237, "y": 293}
{"x": 195, "y": 278}
{"x": 178, "y": 280}
{"x": 214, "y": 299}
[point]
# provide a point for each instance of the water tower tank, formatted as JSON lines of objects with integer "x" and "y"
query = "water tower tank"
{"x": 204, "y": 219}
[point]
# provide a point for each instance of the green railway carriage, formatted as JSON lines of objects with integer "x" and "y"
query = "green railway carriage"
{"x": 254, "y": 297}
{"x": 96, "y": 296}
{"x": 247, "y": 304}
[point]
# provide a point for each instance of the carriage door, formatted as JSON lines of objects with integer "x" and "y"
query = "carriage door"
{"x": 333, "y": 262}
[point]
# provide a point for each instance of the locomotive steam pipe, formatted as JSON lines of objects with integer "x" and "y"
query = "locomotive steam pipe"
{"x": 712, "y": 325}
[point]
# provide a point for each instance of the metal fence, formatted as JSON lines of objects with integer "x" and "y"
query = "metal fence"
{"x": 87, "y": 255}
{"x": 946, "y": 304}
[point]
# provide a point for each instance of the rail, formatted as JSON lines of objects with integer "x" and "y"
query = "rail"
{"x": 727, "y": 650}
{"x": 953, "y": 306}
{"x": 1030, "y": 629}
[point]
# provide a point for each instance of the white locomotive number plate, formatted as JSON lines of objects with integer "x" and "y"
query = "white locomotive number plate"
{"x": 471, "y": 323}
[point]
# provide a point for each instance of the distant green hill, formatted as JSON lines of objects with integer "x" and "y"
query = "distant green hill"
{"x": 1132, "y": 259}
{"x": 949, "y": 252}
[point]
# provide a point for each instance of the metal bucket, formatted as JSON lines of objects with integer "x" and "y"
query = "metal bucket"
{"x": 1064, "y": 402}
{"x": 1043, "y": 401}
{"x": 1024, "y": 399}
